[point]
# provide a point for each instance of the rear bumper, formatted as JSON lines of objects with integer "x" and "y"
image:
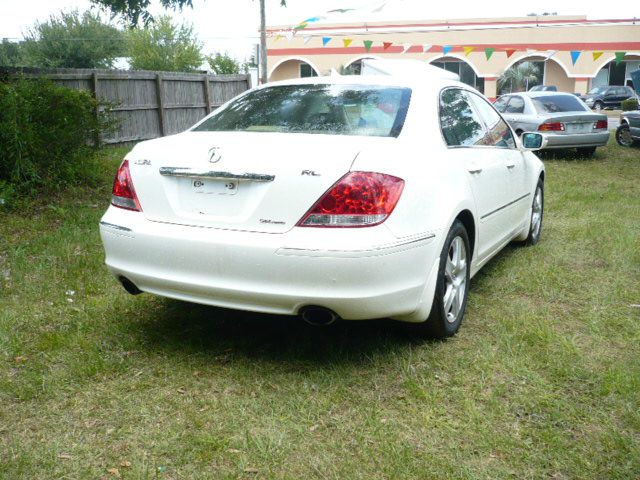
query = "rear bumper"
{"x": 577, "y": 140}
{"x": 360, "y": 274}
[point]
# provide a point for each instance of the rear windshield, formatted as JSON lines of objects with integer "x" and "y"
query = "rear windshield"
{"x": 324, "y": 109}
{"x": 558, "y": 103}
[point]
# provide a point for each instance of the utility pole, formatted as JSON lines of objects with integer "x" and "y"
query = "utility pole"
{"x": 263, "y": 43}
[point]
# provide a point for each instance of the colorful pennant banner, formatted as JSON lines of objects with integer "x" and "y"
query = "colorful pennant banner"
{"x": 489, "y": 52}
{"x": 386, "y": 45}
{"x": 468, "y": 50}
{"x": 596, "y": 55}
{"x": 510, "y": 51}
{"x": 446, "y": 49}
{"x": 325, "y": 41}
{"x": 426, "y": 47}
{"x": 620, "y": 57}
{"x": 347, "y": 42}
{"x": 575, "y": 55}
{"x": 406, "y": 47}
{"x": 368, "y": 44}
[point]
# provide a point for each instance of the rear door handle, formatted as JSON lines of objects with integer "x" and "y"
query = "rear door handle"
{"x": 511, "y": 165}
{"x": 475, "y": 170}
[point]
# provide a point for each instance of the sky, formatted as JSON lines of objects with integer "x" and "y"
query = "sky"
{"x": 233, "y": 26}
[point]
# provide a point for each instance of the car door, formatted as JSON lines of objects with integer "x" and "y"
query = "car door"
{"x": 503, "y": 143}
{"x": 515, "y": 115}
{"x": 610, "y": 97}
{"x": 487, "y": 173}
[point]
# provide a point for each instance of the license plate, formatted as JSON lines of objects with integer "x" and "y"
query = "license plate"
{"x": 579, "y": 127}
{"x": 214, "y": 187}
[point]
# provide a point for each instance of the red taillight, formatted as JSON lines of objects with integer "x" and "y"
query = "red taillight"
{"x": 601, "y": 125}
{"x": 551, "y": 127}
{"x": 124, "y": 195}
{"x": 359, "y": 199}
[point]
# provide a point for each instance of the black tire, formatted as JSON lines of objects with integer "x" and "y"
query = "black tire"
{"x": 586, "y": 151}
{"x": 441, "y": 323}
{"x": 623, "y": 136}
{"x": 535, "y": 229}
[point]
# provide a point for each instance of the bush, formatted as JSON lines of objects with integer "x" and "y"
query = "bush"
{"x": 629, "y": 104}
{"x": 45, "y": 131}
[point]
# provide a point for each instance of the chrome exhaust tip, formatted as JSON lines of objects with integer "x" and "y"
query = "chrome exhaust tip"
{"x": 319, "y": 316}
{"x": 129, "y": 286}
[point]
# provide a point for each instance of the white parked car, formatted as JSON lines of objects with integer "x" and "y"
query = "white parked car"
{"x": 337, "y": 197}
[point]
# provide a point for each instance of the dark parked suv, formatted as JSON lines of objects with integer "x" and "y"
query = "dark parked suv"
{"x": 607, "y": 97}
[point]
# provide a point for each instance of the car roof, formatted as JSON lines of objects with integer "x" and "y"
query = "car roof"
{"x": 414, "y": 82}
{"x": 539, "y": 94}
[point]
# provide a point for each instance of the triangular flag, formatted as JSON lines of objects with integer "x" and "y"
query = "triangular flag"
{"x": 575, "y": 55}
{"x": 468, "y": 50}
{"x": 386, "y": 45}
{"x": 551, "y": 53}
{"x": 290, "y": 35}
{"x": 306, "y": 39}
{"x": 368, "y": 44}
{"x": 302, "y": 26}
{"x": 446, "y": 49}
{"x": 278, "y": 38}
{"x": 488, "y": 52}
{"x": 347, "y": 42}
{"x": 406, "y": 47}
{"x": 510, "y": 51}
{"x": 596, "y": 55}
{"x": 426, "y": 47}
{"x": 325, "y": 41}
{"x": 620, "y": 57}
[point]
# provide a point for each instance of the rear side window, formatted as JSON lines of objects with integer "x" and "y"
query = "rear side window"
{"x": 461, "y": 125}
{"x": 501, "y": 104}
{"x": 516, "y": 105}
{"x": 324, "y": 109}
{"x": 558, "y": 103}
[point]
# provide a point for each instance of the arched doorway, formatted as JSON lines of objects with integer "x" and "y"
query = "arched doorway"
{"x": 528, "y": 71}
{"x": 293, "y": 68}
{"x": 462, "y": 68}
{"x": 617, "y": 73}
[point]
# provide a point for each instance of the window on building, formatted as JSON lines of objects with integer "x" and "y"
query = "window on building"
{"x": 307, "y": 71}
{"x": 464, "y": 71}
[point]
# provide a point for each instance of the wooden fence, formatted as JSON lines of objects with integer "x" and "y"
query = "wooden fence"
{"x": 148, "y": 104}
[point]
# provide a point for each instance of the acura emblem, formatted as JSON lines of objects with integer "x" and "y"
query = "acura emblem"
{"x": 214, "y": 154}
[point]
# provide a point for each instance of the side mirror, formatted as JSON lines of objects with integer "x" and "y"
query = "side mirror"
{"x": 533, "y": 141}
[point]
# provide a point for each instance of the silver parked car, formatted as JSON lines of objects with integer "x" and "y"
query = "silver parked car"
{"x": 563, "y": 117}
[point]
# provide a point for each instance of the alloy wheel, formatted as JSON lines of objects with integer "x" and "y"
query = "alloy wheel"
{"x": 624, "y": 137}
{"x": 536, "y": 213}
{"x": 455, "y": 279}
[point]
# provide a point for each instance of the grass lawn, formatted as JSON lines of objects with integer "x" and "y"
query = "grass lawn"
{"x": 543, "y": 380}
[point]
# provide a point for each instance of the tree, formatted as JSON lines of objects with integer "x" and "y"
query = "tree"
{"x": 10, "y": 53}
{"x": 134, "y": 10}
{"x": 72, "y": 40}
{"x": 223, "y": 64}
{"x": 164, "y": 46}
{"x": 519, "y": 77}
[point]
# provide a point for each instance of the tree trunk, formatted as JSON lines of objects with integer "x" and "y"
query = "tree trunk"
{"x": 263, "y": 44}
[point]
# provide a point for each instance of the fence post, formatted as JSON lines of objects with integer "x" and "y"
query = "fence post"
{"x": 207, "y": 92}
{"x": 161, "y": 115}
{"x": 94, "y": 88}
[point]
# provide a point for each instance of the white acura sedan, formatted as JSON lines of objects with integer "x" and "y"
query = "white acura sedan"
{"x": 338, "y": 197}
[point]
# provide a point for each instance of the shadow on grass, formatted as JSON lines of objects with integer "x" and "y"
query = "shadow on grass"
{"x": 181, "y": 327}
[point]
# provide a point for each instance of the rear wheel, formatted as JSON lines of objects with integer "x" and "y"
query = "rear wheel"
{"x": 452, "y": 286}
{"x": 623, "y": 136}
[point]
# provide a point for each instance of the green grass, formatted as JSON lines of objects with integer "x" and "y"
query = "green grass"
{"x": 542, "y": 381}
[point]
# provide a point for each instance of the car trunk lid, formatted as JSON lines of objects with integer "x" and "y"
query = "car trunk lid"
{"x": 252, "y": 181}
